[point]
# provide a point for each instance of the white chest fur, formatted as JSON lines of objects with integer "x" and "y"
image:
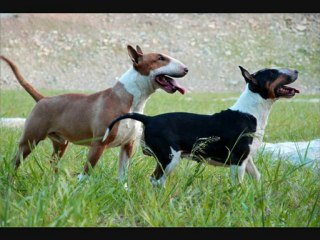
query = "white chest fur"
{"x": 140, "y": 87}
{"x": 127, "y": 130}
{"x": 257, "y": 106}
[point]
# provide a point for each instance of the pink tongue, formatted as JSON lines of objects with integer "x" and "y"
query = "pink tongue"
{"x": 177, "y": 86}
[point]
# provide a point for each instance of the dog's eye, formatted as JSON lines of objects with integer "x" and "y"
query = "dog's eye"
{"x": 161, "y": 58}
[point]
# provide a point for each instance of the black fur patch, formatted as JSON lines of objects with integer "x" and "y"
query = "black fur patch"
{"x": 223, "y": 137}
{"x": 262, "y": 77}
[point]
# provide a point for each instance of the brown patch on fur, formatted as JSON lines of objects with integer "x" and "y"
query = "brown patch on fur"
{"x": 95, "y": 153}
{"x": 271, "y": 87}
{"x": 128, "y": 148}
{"x": 151, "y": 61}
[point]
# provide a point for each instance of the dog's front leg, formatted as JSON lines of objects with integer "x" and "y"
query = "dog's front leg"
{"x": 234, "y": 174}
{"x": 164, "y": 168}
{"x": 58, "y": 151}
{"x": 246, "y": 166}
{"x": 238, "y": 171}
{"x": 158, "y": 177}
{"x": 252, "y": 169}
{"x": 125, "y": 153}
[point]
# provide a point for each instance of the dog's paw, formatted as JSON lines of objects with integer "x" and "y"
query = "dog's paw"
{"x": 81, "y": 177}
{"x": 157, "y": 183}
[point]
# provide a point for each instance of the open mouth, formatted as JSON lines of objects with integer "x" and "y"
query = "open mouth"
{"x": 285, "y": 91}
{"x": 169, "y": 84}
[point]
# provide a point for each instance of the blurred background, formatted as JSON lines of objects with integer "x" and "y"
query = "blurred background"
{"x": 88, "y": 51}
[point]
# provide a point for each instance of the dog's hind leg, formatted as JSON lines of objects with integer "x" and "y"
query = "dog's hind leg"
{"x": 125, "y": 153}
{"x": 164, "y": 168}
{"x": 28, "y": 141}
{"x": 58, "y": 151}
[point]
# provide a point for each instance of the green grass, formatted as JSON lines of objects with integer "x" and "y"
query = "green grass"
{"x": 195, "y": 195}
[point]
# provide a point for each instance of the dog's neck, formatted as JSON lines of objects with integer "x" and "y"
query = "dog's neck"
{"x": 254, "y": 104}
{"x": 139, "y": 86}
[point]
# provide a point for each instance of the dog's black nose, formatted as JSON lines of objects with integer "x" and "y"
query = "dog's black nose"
{"x": 296, "y": 71}
{"x": 186, "y": 69}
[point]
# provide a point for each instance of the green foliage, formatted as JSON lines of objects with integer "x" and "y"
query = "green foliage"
{"x": 195, "y": 194}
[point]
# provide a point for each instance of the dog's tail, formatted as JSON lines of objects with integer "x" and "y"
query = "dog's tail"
{"x": 136, "y": 116}
{"x": 36, "y": 95}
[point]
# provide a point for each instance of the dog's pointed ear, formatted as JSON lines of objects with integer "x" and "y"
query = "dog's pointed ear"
{"x": 133, "y": 54}
{"x": 139, "y": 49}
{"x": 247, "y": 76}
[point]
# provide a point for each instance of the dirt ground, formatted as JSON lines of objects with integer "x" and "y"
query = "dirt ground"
{"x": 88, "y": 51}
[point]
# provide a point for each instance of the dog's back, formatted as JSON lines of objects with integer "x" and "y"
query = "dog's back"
{"x": 209, "y": 136}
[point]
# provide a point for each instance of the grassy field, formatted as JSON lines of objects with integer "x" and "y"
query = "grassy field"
{"x": 195, "y": 194}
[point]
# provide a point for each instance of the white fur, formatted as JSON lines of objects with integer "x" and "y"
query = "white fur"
{"x": 80, "y": 177}
{"x": 283, "y": 70}
{"x": 141, "y": 87}
{"x": 123, "y": 164}
{"x": 128, "y": 129}
{"x": 252, "y": 169}
{"x": 237, "y": 172}
{"x": 159, "y": 182}
{"x": 175, "y": 157}
{"x": 242, "y": 169}
{"x": 171, "y": 68}
{"x": 105, "y": 135}
{"x": 260, "y": 108}
{"x": 254, "y": 104}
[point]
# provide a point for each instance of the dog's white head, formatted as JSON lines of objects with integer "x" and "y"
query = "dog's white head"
{"x": 160, "y": 69}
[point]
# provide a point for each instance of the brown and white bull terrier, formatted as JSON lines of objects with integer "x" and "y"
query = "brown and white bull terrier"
{"x": 82, "y": 119}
